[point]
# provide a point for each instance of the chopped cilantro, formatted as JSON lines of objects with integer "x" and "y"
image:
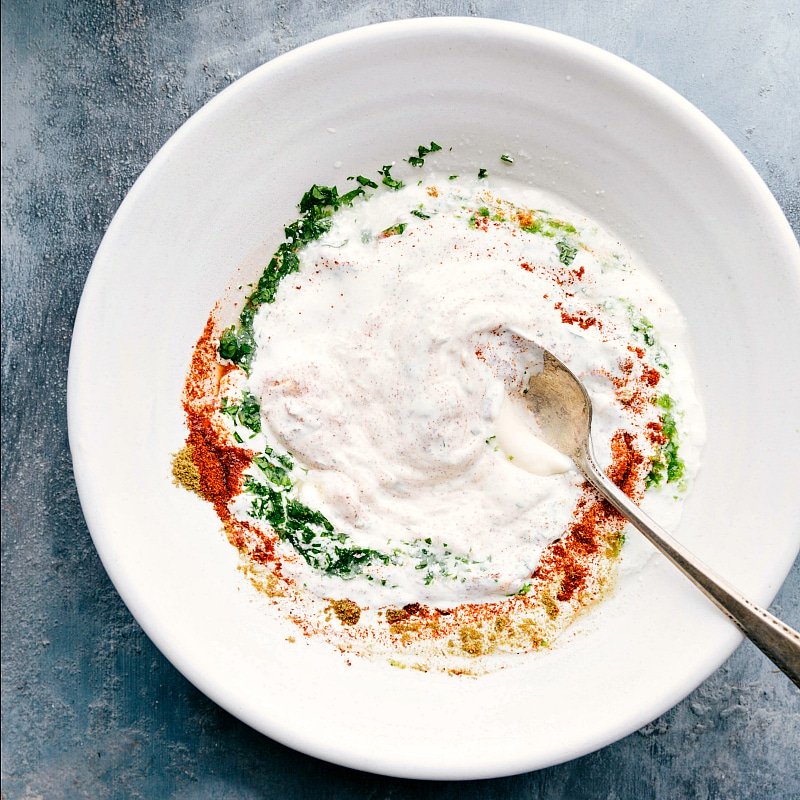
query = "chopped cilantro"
{"x": 250, "y": 413}
{"x": 561, "y": 225}
{"x": 507, "y": 158}
{"x": 275, "y": 473}
{"x": 422, "y": 151}
{"x": 320, "y": 197}
{"x": 388, "y": 180}
{"x": 237, "y": 345}
{"x": 566, "y": 253}
{"x": 482, "y": 173}
{"x": 395, "y": 230}
{"x": 347, "y": 199}
{"x": 421, "y": 214}
{"x": 667, "y": 465}
{"x": 366, "y": 182}
{"x": 665, "y": 401}
{"x": 643, "y": 326}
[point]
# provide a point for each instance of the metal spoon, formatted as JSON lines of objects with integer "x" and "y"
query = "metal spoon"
{"x": 564, "y": 412}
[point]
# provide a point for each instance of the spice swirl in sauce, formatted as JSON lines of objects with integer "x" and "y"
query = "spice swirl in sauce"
{"x": 362, "y": 429}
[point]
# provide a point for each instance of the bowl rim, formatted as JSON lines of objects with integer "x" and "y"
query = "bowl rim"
{"x": 302, "y": 739}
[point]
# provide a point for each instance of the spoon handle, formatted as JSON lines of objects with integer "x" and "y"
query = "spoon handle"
{"x": 775, "y": 639}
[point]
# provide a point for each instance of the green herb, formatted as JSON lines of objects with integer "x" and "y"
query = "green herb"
{"x": 237, "y": 345}
{"x": 395, "y": 230}
{"x": 366, "y": 182}
{"x": 388, "y": 180}
{"x": 422, "y": 215}
{"x": 275, "y": 473}
{"x": 507, "y": 158}
{"x": 284, "y": 461}
{"x": 665, "y": 401}
{"x": 347, "y": 199}
{"x": 422, "y": 151}
{"x": 566, "y": 253}
{"x": 320, "y": 197}
{"x": 667, "y": 465}
{"x": 643, "y": 326}
{"x": 452, "y": 177}
{"x": 561, "y": 225}
{"x": 308, "y": 531}
{"x": 482, "y": 173}
{"x": 227, "y": 408}
{"x": 249, "y": 413}
{"x": 483, "y": 211}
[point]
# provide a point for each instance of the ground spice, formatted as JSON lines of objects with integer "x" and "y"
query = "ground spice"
{"x": 651, "y": 376}
{"x": 584, "y": 321}
{"x": 184, "y": 470}
{"x": 220, "y": 465}
{"x": 347, "y": 611}
{"x": 471, "y": 641}
{"x": 525, "y": 219}
{"x": 625, "y": 464}
{"x": 655, "y": 433}
{"x": 480, "y": 222}
{"x": 574, "y": 577}
{"x": 395, "y": 615}
{"x": 550, "y": 605}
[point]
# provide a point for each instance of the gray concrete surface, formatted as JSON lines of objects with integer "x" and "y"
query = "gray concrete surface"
{"x": 90, "y": 92}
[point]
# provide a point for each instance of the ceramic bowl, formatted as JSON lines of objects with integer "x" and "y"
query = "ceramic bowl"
{"x": 209, "y": 209}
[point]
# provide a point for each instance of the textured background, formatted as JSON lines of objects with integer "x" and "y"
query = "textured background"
{"x": 90, "y": 92}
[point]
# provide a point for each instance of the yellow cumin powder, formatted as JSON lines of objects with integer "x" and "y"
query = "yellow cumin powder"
{"x": 184, "y": 470}
{"x": 347, "y": 611}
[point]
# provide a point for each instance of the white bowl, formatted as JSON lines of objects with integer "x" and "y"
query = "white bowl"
{"x": 608, "y": 138}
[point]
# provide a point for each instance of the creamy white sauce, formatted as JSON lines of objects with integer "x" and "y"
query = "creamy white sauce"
{"x": 392, "y": 369}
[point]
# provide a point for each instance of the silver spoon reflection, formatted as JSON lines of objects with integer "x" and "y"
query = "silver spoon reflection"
{"x": 564, "y": 413}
